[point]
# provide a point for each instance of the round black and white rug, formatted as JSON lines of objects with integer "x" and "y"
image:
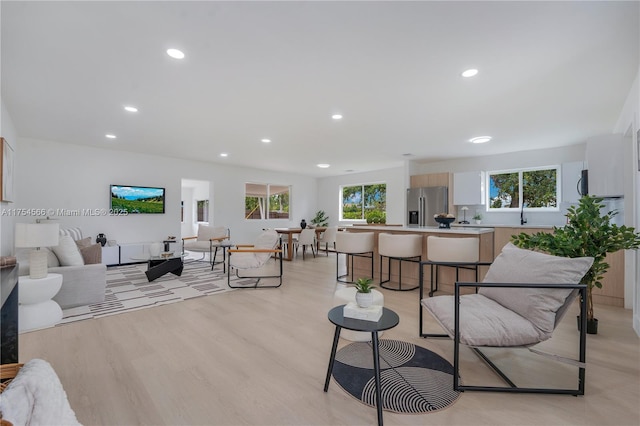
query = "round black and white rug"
{"x": 414, "y": 379}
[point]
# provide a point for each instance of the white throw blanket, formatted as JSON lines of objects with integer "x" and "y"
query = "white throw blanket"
{"x": 36, "y": 397}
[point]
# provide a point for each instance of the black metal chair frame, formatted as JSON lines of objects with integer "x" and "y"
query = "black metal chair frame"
{"x": 458, "y": 265}
{"x": 414, "y": 259}
{"x": 366, "y": 254}
{"x": 512, "y": 387}
{"x": 277, "y": 253}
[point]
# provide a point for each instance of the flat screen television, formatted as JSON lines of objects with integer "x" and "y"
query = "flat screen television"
{"x": 137, "y": 199}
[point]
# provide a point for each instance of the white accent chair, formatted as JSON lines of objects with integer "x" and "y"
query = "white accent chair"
{"x": 306, "y": 239}
{"x": 523, "y": 298}
{"x": 207, "y": 241}
{"x": 400, "y": 247}
{"x": 353, "y": 244}
{"x": 251, "y": 261}
{"x": 327, "y": 238}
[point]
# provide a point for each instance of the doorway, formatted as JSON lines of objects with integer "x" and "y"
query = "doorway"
{"x": 196, "y": 206}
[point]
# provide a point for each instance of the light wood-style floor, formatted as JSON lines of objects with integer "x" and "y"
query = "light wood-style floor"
{"x": 259, "y": 357}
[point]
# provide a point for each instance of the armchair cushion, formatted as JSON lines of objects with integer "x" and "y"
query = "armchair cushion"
{"x": 540, "y": 306}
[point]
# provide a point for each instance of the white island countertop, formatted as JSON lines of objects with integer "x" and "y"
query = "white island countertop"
{"x": 468, "y": 230}
{"x": 501, "y": 225}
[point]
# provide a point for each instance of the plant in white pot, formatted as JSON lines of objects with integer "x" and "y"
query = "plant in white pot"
{"x": 478, "y": 218}
{"x": 587, "y": 233}
{"x": 364, "y": 296}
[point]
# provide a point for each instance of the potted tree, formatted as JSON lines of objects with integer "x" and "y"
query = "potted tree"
{"x": 587, "y": 233}
{"x": 364, "y": 297}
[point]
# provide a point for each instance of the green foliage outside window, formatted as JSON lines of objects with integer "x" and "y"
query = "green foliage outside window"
{"x": 358, "y": 201}
{"x": 536, "y": 188}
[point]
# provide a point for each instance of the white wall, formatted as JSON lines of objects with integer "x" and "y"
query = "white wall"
{"x": 525, "y": 159}
{"x": 7, "y": 131}
{"x": 329, "y": 193}
{"x": 54, "y": 175}
{"x": 629, "y": 124}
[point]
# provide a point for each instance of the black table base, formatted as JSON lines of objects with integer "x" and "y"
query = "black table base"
{"x": 160, "y": 267}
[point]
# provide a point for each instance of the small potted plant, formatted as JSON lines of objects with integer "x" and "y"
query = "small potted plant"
{"x": 478, "y": 218}
{"x": 320, "y": 219}
{"x": 364, "y": 297}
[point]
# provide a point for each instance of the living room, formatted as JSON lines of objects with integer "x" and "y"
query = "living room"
{"x": 259, "y": 357}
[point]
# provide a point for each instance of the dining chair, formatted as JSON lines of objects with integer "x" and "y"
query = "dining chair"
{"x": 327, "y": 238}
{"x": 307, "y": 238}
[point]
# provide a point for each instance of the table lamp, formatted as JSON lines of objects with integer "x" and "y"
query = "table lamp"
{"x": 36, "y": 235}
{"x": 464, "y": 214}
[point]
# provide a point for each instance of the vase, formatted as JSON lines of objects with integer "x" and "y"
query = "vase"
{"x": 155, "y": 249}
{"x": 364, "y": 300}
{"x": 101, "y": 239}
{"x": 478, "y": 221}
{"x": 303, "y": 224}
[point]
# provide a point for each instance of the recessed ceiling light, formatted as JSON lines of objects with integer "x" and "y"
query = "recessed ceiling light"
{"x": 265, "y": 140}
{"x": 110, "y": 136}
{"x": 480, "y": 139}
{"x": 323, "y": 165}
{"x": 470, "y": 72}
{"x": 337, "y": 116}
{"x": 224, "y": 154}
{"x": 131, "y": 109}
{"x": 175, "y": 53}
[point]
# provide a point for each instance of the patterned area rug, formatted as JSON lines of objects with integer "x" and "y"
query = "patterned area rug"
{"x": 414, "y": 379}
{"x": 128, "y": 289}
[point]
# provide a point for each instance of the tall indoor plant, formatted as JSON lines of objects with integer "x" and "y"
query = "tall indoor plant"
{"x": 587, "y": 233}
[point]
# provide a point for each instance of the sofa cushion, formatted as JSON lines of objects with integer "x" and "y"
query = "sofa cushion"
{"x": 74, "y": 233}
{"x": 67, "y": 252}
{"x": 91, "y": 254}
{"x": 84, "y": 242}
{"x": 516, "y": 265}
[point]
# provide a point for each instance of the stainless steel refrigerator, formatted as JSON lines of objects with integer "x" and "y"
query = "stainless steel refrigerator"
{"x": 424, "y": 203}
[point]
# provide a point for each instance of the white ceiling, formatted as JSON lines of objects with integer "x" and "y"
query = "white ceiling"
{"x": 551, "y": 74}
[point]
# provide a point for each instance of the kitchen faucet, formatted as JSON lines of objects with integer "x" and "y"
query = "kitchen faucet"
{"x": 523, "y": 220}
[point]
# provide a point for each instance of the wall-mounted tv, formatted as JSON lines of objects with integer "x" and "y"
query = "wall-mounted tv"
{"x": 137, "y": 199}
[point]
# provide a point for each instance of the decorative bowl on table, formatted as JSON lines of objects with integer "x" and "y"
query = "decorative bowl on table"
{"x": 445, "y": 222}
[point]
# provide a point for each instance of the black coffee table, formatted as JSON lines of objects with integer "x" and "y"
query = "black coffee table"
{"x": 161, "y": 265}
{"x": 388, "y": 320}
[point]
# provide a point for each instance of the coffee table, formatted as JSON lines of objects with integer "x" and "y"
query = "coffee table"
{"x": 389, "y": 319}
{"x": 162, "y": 265}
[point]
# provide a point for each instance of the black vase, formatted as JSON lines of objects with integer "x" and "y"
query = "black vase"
{"x": 303, "y": 224}
{"x": 101, "y": 239}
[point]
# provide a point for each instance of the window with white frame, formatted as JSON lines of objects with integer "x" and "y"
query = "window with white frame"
{"x": 266, "y": 201}
{"x": 534, "y": 188}
{"x": 360, "y": 201}
{"x": 202, "y": 210}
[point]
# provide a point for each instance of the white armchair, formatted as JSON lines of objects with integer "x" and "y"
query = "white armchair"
{"x": 207, "y": 241}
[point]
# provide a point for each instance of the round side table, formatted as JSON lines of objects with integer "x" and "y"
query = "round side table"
{"x": 36, "y": 309}
{"x": 348, "y": 294}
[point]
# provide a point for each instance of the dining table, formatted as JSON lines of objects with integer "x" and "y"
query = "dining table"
{"x": 290, "y": 232}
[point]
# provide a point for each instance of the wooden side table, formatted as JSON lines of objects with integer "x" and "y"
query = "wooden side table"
{"x": 36, "y": 309}
{"x": 388, "y": 320}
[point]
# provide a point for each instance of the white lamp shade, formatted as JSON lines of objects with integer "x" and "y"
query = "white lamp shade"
{"x": 37, "y": 234}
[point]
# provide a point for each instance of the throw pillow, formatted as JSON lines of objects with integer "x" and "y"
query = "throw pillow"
{"x": 91, "y": 254}
{"x": 516, "y": 265}
{"x": 85, "y": 242}
{"x": 67, "y": 252}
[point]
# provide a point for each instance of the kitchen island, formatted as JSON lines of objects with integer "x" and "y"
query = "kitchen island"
{"x": 410, "y": 271}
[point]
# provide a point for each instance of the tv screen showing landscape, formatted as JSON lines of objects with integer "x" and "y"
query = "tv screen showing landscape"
{"x": 137, "y": 199}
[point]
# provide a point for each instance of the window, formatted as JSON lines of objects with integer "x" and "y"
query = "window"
{"x": 537, "y": 188}
{"x": 202, "y": 209}
{"x": 262, "y": 201}
{"x": 360, "y": 200}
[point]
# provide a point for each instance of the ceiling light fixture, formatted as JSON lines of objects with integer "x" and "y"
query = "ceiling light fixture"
{"x": 131, "y": 109}
{"x": 110, "y": 136}
{"x": 470, "y": 72}
{"x": 265, "y": 140}
{"x": 224, "y": 154}
{"x": 175, "y": 53}
{"x": 337, "y": 116}
{"x": 323, "y": 165}
{"x": 480, "y": 139}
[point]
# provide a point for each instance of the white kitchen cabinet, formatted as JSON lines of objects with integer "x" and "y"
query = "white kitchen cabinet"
{"x": 605, "y": 159}
{"x": 468, "y": 188}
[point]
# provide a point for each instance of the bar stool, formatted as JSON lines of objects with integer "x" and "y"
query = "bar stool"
{"x": 407, "y": 247}
{"x": 353, "y": 244}
{"x": 451, "y": 252}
